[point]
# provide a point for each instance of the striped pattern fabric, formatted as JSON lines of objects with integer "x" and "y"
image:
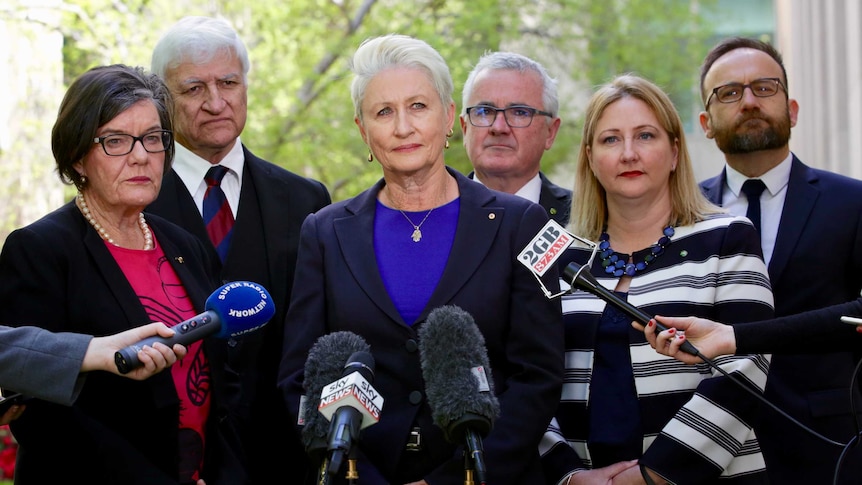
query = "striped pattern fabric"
{"x": 697, "y": 422}
{"x": 217, "y": 215}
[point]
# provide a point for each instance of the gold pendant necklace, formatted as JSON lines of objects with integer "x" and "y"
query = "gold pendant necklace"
{"x": 417, "y": 233}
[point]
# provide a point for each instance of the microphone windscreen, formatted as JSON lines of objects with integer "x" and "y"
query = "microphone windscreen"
{"x": 451, "y": 350}
{"x": 242, "y": 306}
{"x": 324, "y": 365}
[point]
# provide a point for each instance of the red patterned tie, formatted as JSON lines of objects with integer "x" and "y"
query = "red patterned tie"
{"x": 217, "y": 215}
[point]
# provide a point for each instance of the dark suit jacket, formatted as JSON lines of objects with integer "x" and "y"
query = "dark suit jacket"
{"x": 556, "y": 200}
{"x": 272, "y": 206}
{"x": 338, "y": 287}
{"x": 817, "y": 262}
{"x": 57, "y": 274}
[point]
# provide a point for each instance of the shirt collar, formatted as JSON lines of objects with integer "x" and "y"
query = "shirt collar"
{"x": 775, "y": 179}
{"x": 530, "y": 190}
{"x": 191, "y": 168}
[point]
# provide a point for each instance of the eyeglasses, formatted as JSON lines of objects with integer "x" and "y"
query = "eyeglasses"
{"x": 732, "y": 92}
{"x": 483, "y": 116}
{"x": 120, "y": 144}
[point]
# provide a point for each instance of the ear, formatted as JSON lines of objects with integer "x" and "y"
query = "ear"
{"x": 793, "y": 110}
{"x": 675, "y": 155}
{"x": 361, "y": 130}
{"x": 706, "y": 124}
{"x": 552, "y": 133}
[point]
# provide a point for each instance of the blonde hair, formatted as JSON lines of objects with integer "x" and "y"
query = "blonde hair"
{"x": 589, "y": 204}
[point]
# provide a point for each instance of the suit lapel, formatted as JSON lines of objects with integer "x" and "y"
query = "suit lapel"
{"x": 470, "y": 246}
{"x": 355, "y": 235}
{"x": 798, "y": 204}
{"x": 714, "y": 187}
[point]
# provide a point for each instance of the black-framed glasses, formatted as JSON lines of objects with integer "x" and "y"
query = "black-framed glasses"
{"x": 483, "y": 116}
{"x": 732, "y": 92}
{"x": 120, "y": 144}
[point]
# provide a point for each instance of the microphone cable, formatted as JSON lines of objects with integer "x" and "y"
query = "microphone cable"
{"x": 588, "y": 284}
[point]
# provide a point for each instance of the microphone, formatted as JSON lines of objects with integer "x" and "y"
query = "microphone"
{"x": 457, "y": 380}
{"x": 350, "y": 404}
{"x": 580, "y": 277}
{"x": 234, "y": 309}
{"x": 324, "y": 364}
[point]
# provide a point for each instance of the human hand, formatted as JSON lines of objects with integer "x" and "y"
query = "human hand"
{"x": 154, "y": 359}
{"x": 14, "y": 412}
{"x": 709, "y": 337}
{"x": 602, "y": 476}
{"x": 633, "y": 476}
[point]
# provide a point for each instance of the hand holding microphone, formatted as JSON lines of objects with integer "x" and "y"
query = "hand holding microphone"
{"x": 581, "y": 278}
{"x": 457, "y": 381}
{"x": 234, "y": 309}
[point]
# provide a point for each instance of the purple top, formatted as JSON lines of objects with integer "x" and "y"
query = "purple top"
{"x": 411, "y": 270}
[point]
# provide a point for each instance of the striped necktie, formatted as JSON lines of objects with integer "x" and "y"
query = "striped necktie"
{"x": 217, "y": 215}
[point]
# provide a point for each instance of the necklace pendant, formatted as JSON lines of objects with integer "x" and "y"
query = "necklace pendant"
{"x": 417, "y": 235}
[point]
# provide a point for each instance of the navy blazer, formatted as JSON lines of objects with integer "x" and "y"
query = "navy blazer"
{"x": 817, "y": 262}
{"x": 339, "y": 288}
{"x": 272, "y": 205}
{"x": 57, "y": 274}
{"x": 556, "y": 200}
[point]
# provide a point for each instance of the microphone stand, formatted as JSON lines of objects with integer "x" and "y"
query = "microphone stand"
{"x": 468, "y": 469}
{"x": 475, "y": 454}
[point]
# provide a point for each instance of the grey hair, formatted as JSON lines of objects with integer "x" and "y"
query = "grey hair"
{"x": 377, "y": 54}
{"x": 513, "y": 62}
{"x": 198, "y": 40}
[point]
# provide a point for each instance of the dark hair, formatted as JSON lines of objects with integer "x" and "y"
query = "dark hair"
{"x": 95, "y": 98}
{"x": 733, "y": 43}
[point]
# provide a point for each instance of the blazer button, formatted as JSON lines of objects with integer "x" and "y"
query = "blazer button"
{"x": 415, "y": 397}
{"x": 411, "y": 346}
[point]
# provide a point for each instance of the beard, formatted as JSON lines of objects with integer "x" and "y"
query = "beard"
{"x": 775, "y": 134}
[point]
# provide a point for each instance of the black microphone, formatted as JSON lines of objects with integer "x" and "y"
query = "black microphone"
{"x": 234, "y": 309}
{"x": 325, "y": 364}
{"x": 458, "y": 380}
{"x": 351, "y": 404}
{"x": 581, "y": 277}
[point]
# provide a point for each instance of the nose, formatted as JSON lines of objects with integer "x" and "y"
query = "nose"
{"x": 629, "y": 152}
{"x": 499, "y": 125}
{"x": 215, "y": 101}
{"x": 403, "y": 126}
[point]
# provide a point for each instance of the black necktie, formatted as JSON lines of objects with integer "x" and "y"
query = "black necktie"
{"x": 752, "y": 188}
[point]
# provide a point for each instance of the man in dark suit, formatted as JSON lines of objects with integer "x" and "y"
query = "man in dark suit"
{"x": 507, "y": 153}
{"x": 811, "y": 233}
{"x": 205, "y": 64}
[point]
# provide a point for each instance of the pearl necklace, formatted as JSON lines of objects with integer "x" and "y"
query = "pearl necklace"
{"x": 617, "y": 266}
{"x": 81, "y": 202}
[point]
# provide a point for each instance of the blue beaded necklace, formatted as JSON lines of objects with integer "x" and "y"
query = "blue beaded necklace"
{"x": 617, "y": 266}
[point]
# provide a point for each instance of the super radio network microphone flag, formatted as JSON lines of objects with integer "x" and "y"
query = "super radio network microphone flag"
{"x": 234, "y": 309}
{"x": 458, "y": 381}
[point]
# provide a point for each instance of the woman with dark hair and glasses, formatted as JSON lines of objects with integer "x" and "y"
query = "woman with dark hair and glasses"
{"x": 99, "y": 266}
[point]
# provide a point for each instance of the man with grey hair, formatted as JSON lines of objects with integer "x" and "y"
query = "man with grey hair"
{"x": 247, "y": 211}
{"x": 506, "y": 151}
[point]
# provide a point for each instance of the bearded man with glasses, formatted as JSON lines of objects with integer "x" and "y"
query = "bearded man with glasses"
{"x": 509, "y": 121}
{"x": 814, "y": 258}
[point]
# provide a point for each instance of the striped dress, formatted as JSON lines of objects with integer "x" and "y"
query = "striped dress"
{"x": 697, "y": 423}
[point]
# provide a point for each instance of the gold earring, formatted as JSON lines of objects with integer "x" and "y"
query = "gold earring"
{"x": 370, "y": 156}
{"x": 451, "y": 132}
{"x": 446, "y": 145}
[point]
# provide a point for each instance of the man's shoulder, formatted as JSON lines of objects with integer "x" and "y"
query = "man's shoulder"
{"x": 828, "y": 178}
{"x": 275, "y": 173}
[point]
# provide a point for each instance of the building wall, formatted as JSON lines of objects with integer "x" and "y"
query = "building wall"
{"x": 822, "y": 47}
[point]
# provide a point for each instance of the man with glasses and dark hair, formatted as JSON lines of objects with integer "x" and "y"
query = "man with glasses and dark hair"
{"x": 509, "y": 120}
{"x": 810, "y": 224}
